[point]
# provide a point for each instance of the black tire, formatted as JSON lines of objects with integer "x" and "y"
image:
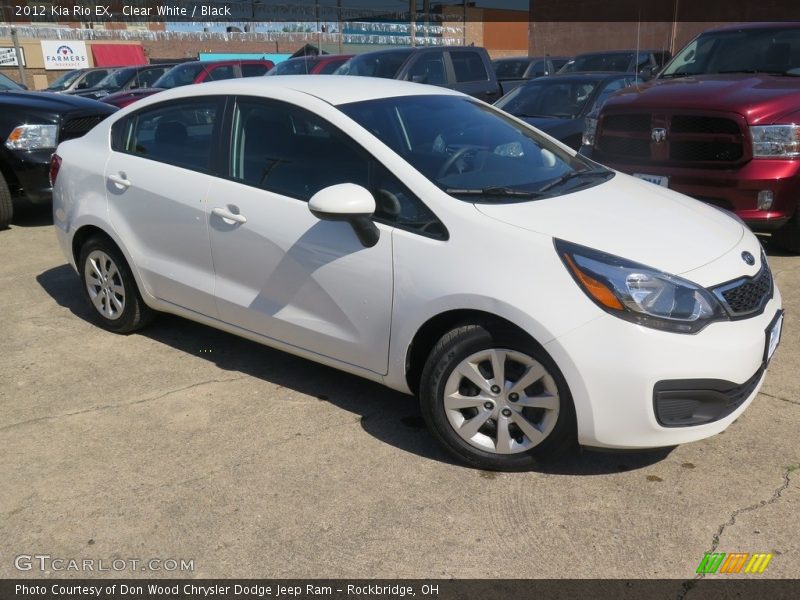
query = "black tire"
{"x": 788, "y": 236}
{"x": 134, "y": 313}
{"x": 6, "y": 205}
{"x": 468, "y": 341}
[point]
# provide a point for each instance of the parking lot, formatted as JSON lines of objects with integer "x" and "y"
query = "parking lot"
{"x": 182, "y": 442}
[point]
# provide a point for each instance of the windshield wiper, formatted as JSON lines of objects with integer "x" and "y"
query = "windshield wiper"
{"x": 675, "y": 75}
{"x": 495, "y": 190}
{"x": 572, "y": 175}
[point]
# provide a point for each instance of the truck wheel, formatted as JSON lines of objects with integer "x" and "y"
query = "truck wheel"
{"x": 788, "y": 236}
{"x": 496, "y": 400}
{"x": 6, "y": 206}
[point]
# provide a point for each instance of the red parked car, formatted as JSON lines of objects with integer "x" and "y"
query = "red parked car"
{"x": 193, "y": 72}
{"x": 720, "y": 123}
{"x": 325, "y": 64}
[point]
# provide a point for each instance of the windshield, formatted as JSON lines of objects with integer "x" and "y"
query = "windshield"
{"x": 184, "y": 74}
{"x": 473, "y": 151}
{"x": 292, "y": 67}
{"x": 383, "y": 64}
{"x": 775, "y": 51}
{"x": 8, "y": 84}
{"x": 549, "y": 98}
{"x": 64, "y": 81}
{"x": 615, "y": 61}
{"x": 116, "y": 79}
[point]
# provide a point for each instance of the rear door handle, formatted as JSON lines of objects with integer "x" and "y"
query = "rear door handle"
{"x": 120, "y": 180}
{"x": 227, "y": 215}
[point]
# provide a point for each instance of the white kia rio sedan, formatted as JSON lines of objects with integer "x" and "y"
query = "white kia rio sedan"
{"x": 420, "y": 238}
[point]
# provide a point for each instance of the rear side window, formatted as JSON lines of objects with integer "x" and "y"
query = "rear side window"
{"x": 331, "y": 66}
{"x": 179, "y": 133}
{"x": 253, "y": 69}
{"x": 468, "y": 66}
{"x": 148, "y": 77}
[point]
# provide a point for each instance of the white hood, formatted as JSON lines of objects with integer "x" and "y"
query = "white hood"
{"x": 632, "y": 219}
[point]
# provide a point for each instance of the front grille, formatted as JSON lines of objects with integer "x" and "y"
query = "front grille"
{"x": 700, "y": 401}
{"x": 627, "y": 123}
{"x": 748, "y": 295}
{"x": 78, "y": 126}
{"x": 625, "y": 146}
{"x": 664, "y": 138}
{"x": 705, "y": 151}
{"x": 699, "y": 124}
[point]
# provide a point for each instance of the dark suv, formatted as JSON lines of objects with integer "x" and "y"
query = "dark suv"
{"x": 466, "y": 69}
{"x": 31, "y": 126}
{"x": 720, "y": 123}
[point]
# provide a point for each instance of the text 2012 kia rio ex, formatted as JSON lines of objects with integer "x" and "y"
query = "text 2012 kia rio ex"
{"x": 420, "y": 238}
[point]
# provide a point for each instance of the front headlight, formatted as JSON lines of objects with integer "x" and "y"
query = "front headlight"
{"x": 776, "y": 141}
{"x": 589, "y": 131}
{"x": 638, "y": 293}
{"x": 33, "y": 137}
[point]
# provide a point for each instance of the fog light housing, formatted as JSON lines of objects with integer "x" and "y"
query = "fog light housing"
{"x": 765, "y": 198}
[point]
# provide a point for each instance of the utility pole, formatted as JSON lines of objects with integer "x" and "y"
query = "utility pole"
{"x": 465, "y": 23}
{"x": 339, "y": 26}
{"x": 18, "y": 52}
{"x": 412, "y": 14}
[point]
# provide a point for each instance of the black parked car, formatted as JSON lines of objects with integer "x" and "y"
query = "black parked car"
{"x": 466, "y": 69}
{"x": 125, "y": 78}
{"x": 558, "y": 105}
{"x": 644, "y": 63}
{"x": 31, "y": 126}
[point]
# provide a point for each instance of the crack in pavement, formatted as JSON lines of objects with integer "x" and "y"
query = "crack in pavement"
{"x": 123, "y": 405}
{"x": 790, "y": 401}
{"x": 689, "y": 584}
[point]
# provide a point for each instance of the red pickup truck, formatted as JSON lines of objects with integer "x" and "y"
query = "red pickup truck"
{"x": 720, "y": 123}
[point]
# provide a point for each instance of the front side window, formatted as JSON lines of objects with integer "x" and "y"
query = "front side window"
{"x": 380, "y": 64}
{"x": 148, "y": 77}
{"x": 473, "y": 151}
{"x": 468, "y": 66}
{"x": 428, "y": 69}
{"x": 290, "y": 151}
{"x": 115, "y": 79}
{"x": 253, "y": 69}
{"x": 178, "y": 133}
{"x": 220, "y": 73}
{"x": 510, "y": 69}
{"x": 95, "y": 78}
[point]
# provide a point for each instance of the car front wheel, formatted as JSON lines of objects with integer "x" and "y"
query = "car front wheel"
{"x": 110, "y": 288}
{"x": 496, "y": 400}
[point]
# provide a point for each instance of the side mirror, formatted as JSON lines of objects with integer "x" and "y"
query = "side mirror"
{"x": 347, "y": 202}
{"x": 419, "y": 78}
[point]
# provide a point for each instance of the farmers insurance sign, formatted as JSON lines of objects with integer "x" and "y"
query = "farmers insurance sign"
{"x": 64, "y": 55}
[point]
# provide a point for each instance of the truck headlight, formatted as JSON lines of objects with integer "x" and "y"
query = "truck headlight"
{"x": 776, "y": 141}
{"x": 33, "y": 137}
{"x": 638, "y": 293}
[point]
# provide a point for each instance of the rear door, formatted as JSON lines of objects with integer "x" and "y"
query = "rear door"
{"x": 157, "y": 179}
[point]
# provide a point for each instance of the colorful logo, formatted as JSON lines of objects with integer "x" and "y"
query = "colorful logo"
{"x": 65, "y": 50}
{"x": 733, "y": 563}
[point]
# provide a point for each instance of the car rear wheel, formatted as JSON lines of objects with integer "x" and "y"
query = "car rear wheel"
{"x": 110, "y": 288}
{"x": 496, "y": 400}
{"x": 6, "y": 205}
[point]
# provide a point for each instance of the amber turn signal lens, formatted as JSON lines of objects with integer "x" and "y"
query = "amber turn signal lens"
{"x": 596, "y": 290}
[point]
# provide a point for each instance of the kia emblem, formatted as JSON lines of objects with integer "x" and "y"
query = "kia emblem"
{"x": 658, "y": 134}
{"x": 748, "y": 258}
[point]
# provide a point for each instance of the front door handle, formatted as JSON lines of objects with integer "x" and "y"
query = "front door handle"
{"x": 120, "y": 179}
{"x": 227, "y": 215}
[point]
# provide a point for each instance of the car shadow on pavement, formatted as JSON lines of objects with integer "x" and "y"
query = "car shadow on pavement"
{"x": 32, "y": 216}
{"x": 389, "y": 416}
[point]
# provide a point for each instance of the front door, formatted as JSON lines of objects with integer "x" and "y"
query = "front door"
{"x": 280, "y": 271}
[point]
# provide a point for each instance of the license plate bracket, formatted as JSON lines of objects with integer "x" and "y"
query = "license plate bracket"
{"x": 661, "y": 180}
{"x": 773, "y": 337}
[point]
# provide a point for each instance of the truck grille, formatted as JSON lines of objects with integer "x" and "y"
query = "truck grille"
{"x": 78, "y": 126}
{"x": 665, "y": 137}
{"x": 749, "y": 295}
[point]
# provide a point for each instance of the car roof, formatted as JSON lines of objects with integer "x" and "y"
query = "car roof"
{"x": 328, "y": 88}
{"x": 607, "y": 52}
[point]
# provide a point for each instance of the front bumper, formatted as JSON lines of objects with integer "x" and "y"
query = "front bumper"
{"x": 32, "y": 170}
{"x": 733, "y": 189}
{"x": 613, "y": 368}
